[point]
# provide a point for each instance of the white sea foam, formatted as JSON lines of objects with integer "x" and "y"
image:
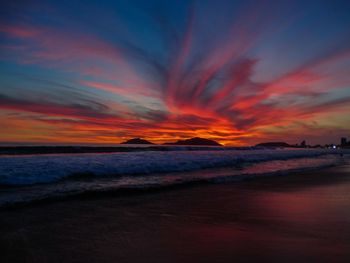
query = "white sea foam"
{"x": 28, "y": 170}
{"x": 147, "y": 170}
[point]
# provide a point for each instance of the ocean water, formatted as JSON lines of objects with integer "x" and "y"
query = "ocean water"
{"x": 28, "y": 178}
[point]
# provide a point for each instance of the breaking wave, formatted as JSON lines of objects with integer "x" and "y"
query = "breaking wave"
{"x": 29, "y": 178}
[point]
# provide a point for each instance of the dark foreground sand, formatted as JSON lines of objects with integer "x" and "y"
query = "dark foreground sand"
{"x": 297, "y": 218}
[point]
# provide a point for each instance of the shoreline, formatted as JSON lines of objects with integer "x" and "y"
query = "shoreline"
{"x": 302, "y": 216}
{"x": 135, "y": 191}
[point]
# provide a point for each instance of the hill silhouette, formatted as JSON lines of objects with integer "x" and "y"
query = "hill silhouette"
{"x": 136, "y": 141}
{"x": 195, "y": 141}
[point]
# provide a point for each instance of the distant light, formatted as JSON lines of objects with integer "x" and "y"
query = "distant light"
{"x": 334, "y": 147}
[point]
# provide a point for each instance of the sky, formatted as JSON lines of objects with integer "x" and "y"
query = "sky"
{"x": 238, "y": 72}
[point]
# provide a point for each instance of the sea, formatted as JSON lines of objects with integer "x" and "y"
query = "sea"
{"x": 25, "y": 179}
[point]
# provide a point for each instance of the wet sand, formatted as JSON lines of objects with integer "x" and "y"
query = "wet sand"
{"x": 302, "y": 217}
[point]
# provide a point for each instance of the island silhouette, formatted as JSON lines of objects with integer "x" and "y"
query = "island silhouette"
{"x": 137, "y": 141}
{"x": 195, "y": 141}
{"x": 192, "y": 141}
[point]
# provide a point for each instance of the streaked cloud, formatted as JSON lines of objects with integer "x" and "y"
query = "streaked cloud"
{"x": 155, "y": 77}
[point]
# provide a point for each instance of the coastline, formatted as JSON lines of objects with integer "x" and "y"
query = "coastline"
{"x": 303, "y": 216}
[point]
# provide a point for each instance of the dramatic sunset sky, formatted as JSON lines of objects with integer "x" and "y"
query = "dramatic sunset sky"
{"x": 239, "y": 72}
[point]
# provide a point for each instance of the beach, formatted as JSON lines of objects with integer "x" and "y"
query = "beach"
{"x": 301, "y": 217}
{"x": 174, "y": 131}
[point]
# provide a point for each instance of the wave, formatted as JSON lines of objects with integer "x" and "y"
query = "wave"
{"x": 90, "y": 186}
{"x": 28, "y": 170}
